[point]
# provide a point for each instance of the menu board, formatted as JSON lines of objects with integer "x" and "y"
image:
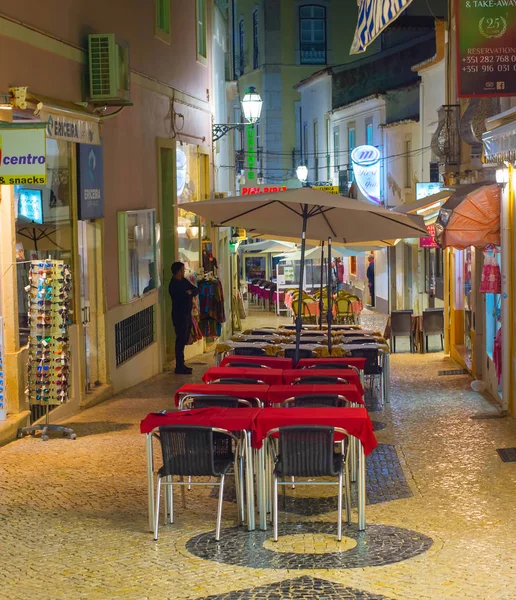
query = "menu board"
{"x": 486, "y": 48}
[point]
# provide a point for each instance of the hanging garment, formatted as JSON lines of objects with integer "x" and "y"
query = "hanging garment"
{"x": 195, "y": 332}
{"x": 491, "y": 282}
{"x": 497, "y": 355}
{"x": 211, "y": 307}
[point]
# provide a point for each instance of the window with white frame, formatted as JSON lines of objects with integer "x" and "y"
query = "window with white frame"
{"x": 351, "y": 147}
{"x": 336, "y": 148}
{"x": 369, "y": 132}
{"x": 201, "y": 29}
{"x": 316, "y": 149}
{"x": 162, "y": 9}
{"x": 256, "y": 46}
{"x": 312, "y": 34}
{"x": 408, "y": 163}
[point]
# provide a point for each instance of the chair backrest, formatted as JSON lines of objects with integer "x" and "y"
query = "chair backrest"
{"x": 250, "y": 352}
{"x": 237, "y": 380}
{"x": 335, "y": 365}
{"x": 371, "y": 355}
{"x": 343, "y": 305}
{"x": 192, "y": 450}
{"x": 262, "y": 332}
{"x": 303, "y": 353}
{"x": 246, "y": 365}
{"x": 313, "y": 401}
{"x": 309, "y": 379}
{"x": 207, "y": 401}
{"x": 362, "y": 340}
{"x": 401, "y": 322}
{"x": 433, "y": 321}
{"x": 306, "y": 451}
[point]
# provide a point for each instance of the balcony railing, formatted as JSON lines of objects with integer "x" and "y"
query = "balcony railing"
{"x": 313, "y": 53}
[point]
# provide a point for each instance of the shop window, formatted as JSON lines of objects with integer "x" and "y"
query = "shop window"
{"x": 201, "y": 29}
{"x": 353, "y": 265}
{"x": 162, "y": 8}
{"x": 493, "y": 316}
{"x": 137, "y": 253}
{"x": 43, "y": 223}
{"x": 312, "y": 35}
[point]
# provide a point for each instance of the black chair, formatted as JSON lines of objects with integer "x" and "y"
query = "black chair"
{"x": 315, "y": 401}
{"x": 335, "y": 365}
{"x": 262, "y": 332}
{"x": 303, "y": 353}
{"x": 237, "y": 380}
{"x": 328, "y": 380}
{"x": 209, "y": 400}
{"x": 433, "y": 324}
{"x": 246, "y": 365}
{"x": 308, "y": 451}
{"x": 322, "y": 334}
{"x": 401, "y": 326}
{"x": 362, "y": 340}
{"x": 191, "y": 451}
{"x": 373, "y": 370}
{"x": 250, "y": 352}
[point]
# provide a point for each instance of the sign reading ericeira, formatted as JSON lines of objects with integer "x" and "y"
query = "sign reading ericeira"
{"x": 22, "y": 157}
{"x": 366, "y": 166}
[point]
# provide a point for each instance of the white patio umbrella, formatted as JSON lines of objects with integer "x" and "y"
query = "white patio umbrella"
{"x": 313, "y": 213}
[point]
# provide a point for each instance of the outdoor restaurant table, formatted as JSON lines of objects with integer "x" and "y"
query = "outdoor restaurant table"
{"x": 232, "y": 419}
{"x": 269, "y": 361}
{"x": 359, "y": 363}
{"x": 268, "y": 376}
{"x": 352, "y": 377}
{"x": 279, "y": 393}
{"x": 237, "y": 390}
{"x": 355, "y": 421}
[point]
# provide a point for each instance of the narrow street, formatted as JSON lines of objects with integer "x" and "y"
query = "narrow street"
{"x": 440, "y": 508}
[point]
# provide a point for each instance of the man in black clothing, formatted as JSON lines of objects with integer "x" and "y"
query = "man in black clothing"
{"x": 370, "y": 279}
{"x": 182, "y": 292}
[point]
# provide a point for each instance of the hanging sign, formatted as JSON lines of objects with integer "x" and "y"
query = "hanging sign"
{"x": 330, "y": 189}
{"x": 268, "y": 189}
{"x": 251, "y": 151}
{"x": 23, "y": 157}
{"x": 366, "y": 166}
{"x": 71, "y": 129}
{"x": 429, "y": 242}
{"x": 486, "y": 47}
{"x": 91, "y": 182}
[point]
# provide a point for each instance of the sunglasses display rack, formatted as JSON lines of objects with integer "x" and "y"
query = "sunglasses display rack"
{"x": 3, "y": 407}
{"x": 48, "y": 368}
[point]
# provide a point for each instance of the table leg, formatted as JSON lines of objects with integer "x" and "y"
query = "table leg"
{"x": 249, "y": 480}
{"x": 361, "y": 487}
{"x": 387, "y": 376}
{"x": 150, "y": 479}
{"x": 260, "y": 479}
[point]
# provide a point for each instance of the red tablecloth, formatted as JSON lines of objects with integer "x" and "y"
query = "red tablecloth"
{"x": 247, "y": 392}
{"x": 355, "y": 421}
{"x": 290, "y": 375}
{"x": 359, "y": 363}
{"x": 268, "y": 376}
{"x": 232, "y": 419}
{"x": 268, "y": 361}
{"x": 279, "y": 393}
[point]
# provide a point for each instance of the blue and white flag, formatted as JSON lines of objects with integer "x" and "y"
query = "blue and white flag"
{"x": 373, "y": 17}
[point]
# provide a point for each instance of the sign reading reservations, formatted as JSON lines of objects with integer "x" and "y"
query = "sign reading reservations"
{"x": 486, "y": 47}
{"x": 22, "y": 157}
{"x": 429, "y": 242}
{"x": 366, "y": 166}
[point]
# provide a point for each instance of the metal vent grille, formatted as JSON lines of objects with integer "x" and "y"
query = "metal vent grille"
{"x": 134, "y": 334}
{"x": 101, "y": 48}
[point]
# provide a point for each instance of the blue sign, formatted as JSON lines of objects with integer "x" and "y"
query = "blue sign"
{"x": 91, "y": 182}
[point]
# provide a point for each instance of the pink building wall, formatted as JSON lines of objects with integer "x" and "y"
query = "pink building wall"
{"x": 130, "y": 139}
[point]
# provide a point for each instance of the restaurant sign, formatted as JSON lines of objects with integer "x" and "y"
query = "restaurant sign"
{"x": 329, "y": 189}
{"x": 366, "y": 166}
{"x": 71, "y": 129}
{"x": 23, "y": 158}
{"x": 429, "y": 242}
{"x": 486, "y": 47}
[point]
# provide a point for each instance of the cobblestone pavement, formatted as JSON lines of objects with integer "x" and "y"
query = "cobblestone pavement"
{"x": 73, "y": 521}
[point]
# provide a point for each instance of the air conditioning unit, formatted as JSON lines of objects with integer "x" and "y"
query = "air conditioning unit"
{"x": 110, "y": 73}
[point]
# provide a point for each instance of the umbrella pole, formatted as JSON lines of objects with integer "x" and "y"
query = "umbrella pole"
{"x": 322, "y": 287}
{"x": 330, "y": 312}
{"x": 299, "y": 319}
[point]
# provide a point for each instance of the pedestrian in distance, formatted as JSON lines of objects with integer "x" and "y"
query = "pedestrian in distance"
{"x": 182, "y": 293}
{"x": 370, "y": 279}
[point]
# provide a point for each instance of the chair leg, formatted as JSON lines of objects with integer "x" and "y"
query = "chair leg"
{"x": 156, "y": 511}
{"x": 241, "y": 481}
{"x": 219, "y": 508}
{"x": 183, "y": 497}
{"x": 169, "y": 497}
{"x": 189, "y": 482}
{"x": 293, "y": 483}
{"x": 442, "y": 342}
{"x": 347, "y": 491}
{"x": 275, "y": 508}
{"x": 339, "y": 510}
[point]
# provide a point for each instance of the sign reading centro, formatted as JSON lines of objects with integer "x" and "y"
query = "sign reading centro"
{"x": 366, "y": 166}
{"x": 22, "y": 157}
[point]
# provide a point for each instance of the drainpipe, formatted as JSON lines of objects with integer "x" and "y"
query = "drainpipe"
{"x": 507, "y": 292}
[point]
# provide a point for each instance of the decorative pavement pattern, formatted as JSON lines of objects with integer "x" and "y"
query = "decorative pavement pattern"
{"x": 378, "y": 545}
{"x": 308, "y": 588}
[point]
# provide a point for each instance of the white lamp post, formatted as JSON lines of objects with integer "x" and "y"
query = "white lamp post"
{"x": 251, "y": 107}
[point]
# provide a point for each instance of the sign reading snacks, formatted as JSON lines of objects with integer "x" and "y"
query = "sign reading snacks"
{"x": 91, "y": 182}
{"x": 22, "y": 157}
{"x": 486, "y": 47}
{"x": 366, "y": 166}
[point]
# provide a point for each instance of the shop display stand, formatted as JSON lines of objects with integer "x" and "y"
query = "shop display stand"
{"x": 49, "y": 348}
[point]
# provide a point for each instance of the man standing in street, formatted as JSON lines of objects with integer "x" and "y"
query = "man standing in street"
{"x": 182, "y": 292}
{"x": 370, "y": 279}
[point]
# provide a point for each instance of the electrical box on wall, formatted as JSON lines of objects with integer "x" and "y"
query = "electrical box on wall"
{"x": 109, "y": 70}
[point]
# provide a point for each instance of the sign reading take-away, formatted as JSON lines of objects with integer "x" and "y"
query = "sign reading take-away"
{"x": 23, "y": 157}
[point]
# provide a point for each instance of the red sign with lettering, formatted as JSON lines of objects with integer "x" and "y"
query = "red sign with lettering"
{"x": 429, "y": 242}
{"x": 250, "y": 191}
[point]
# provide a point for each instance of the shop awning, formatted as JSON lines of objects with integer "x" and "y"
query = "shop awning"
{"x": 266, "y": 245}
{"x": 471, "y": 217}
{"x": 426, "y": 206}
{"x": 500, "y": 144}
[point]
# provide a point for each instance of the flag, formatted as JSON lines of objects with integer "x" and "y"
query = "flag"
{"x": 373, "y": 17}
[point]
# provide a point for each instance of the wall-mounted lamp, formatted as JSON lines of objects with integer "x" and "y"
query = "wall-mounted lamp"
{"x": 502, "y": 177}
{"x": 252, "y": 109}
{"x": 302, "y": 173}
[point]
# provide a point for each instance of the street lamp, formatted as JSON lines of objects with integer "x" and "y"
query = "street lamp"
{"x": 302, "y": 173}
{"x": 251, "y": 107}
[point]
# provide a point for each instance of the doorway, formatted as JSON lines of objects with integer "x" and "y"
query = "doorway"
{"x": 91, "y": 307}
